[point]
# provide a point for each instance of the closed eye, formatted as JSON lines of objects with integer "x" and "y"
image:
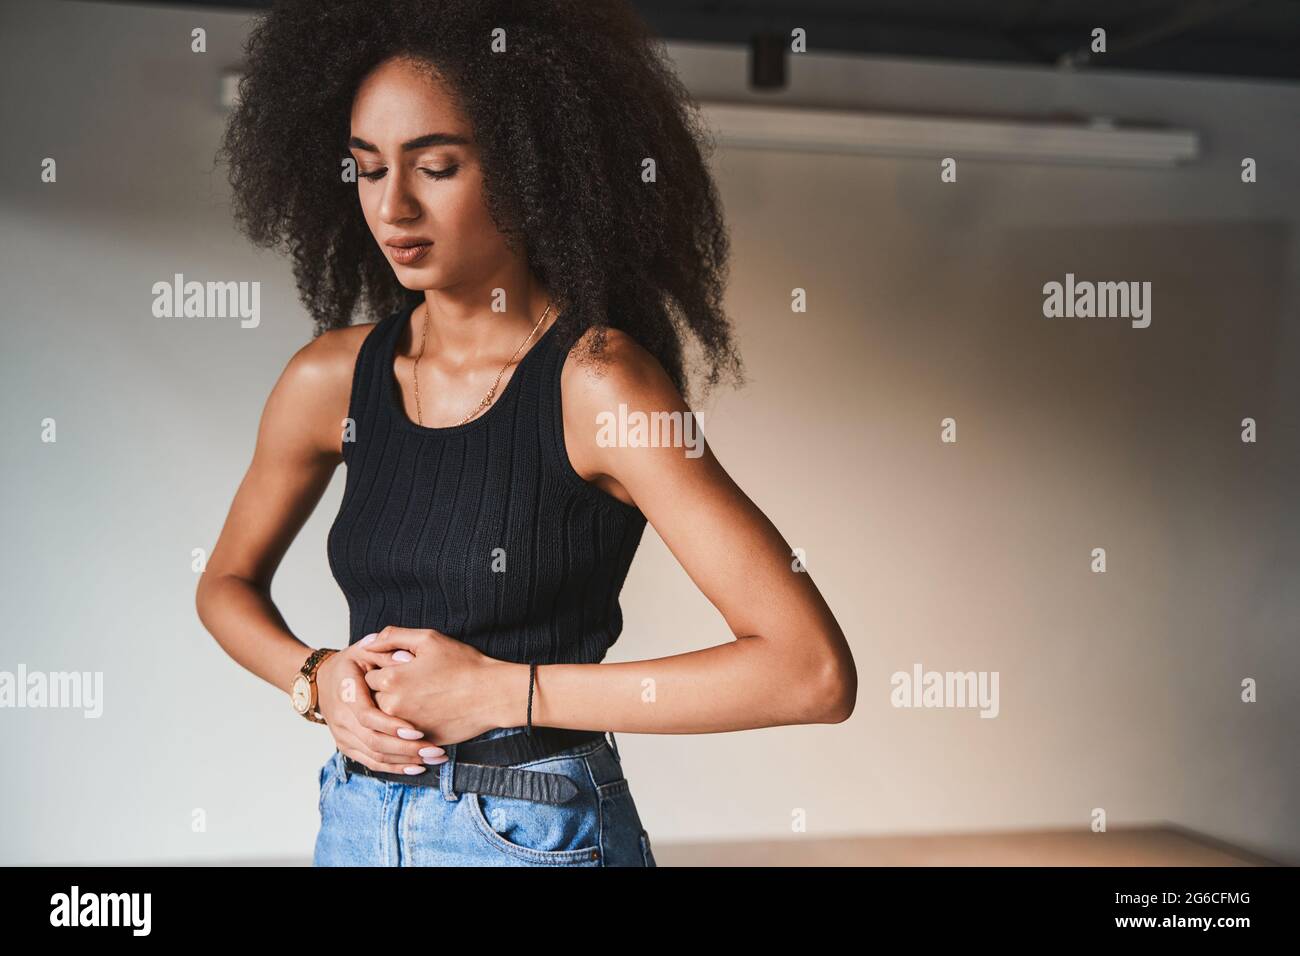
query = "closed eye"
{"x": 447, "y": 173}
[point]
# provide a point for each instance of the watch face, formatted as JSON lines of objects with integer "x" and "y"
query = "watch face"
{"x": 301, "y": 694}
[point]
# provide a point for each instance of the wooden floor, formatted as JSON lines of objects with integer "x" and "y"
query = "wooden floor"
{"x": 1145, "y": 846}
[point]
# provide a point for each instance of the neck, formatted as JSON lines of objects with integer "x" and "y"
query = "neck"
{"x": 465, "y": 334}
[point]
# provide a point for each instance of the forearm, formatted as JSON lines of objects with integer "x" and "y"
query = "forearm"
{"x": 249, "y": 627}
{"x": 744, "y": 684}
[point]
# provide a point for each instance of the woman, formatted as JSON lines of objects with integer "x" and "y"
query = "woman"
{"x": 529, "y": 200}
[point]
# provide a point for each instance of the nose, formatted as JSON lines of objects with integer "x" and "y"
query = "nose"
{"x": 397, "y": 204}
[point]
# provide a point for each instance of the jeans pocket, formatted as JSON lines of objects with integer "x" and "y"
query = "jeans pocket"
{"x": 542, "y": 834}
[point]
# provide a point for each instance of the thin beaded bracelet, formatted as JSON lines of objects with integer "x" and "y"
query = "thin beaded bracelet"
{"x": 532, "y": 678}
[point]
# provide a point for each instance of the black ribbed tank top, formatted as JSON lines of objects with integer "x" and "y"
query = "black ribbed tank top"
{"x": 482, "y": 531}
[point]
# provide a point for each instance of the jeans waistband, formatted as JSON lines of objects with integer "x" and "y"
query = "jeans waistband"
{"x": 480, "y": 764}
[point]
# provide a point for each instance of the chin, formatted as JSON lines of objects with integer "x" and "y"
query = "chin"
{"x": 415, "y": 280}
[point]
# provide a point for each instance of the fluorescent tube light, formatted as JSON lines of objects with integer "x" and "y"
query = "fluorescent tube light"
{"x": 1099, "y": 141}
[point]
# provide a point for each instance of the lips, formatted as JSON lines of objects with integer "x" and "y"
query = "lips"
{"x": 408, "y": 250}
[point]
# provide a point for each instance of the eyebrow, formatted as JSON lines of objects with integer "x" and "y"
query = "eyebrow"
{"x": 428, "y": 139}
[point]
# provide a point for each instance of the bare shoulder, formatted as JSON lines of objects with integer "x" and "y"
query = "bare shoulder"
{"x": 623, "y": 371}
{"x": 315, "y": 388}
{"x": 593, "y": 387}
{"x": 330, "y": 357}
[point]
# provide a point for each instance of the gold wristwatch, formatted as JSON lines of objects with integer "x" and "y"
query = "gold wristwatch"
{"x": 303, "y": 693}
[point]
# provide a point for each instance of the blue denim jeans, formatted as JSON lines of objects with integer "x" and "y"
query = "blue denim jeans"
{"x": 365, "y": 821}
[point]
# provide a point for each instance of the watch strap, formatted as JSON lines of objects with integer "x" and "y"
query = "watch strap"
{"x": 308, "y": 670}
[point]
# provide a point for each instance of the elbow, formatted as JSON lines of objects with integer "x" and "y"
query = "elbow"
{"x": 199, "y": 595}
{"x": 204, "y": 596}
{"x": 833, "y": 691}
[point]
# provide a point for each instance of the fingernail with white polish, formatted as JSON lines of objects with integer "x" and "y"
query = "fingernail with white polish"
{"x": 368, "y": 638}
{"x": 406, "y": 733}
{"x": 414, "y": 769}
{"x": 402, "y": 656}
{"x": 432, "y": 752}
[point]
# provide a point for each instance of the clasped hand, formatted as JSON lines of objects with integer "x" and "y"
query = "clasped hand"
{"x": 393, "y": 697}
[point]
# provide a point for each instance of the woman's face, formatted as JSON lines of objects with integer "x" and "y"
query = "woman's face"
{"x": 419, "y": 181}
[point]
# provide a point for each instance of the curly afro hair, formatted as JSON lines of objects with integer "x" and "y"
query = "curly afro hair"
{"x": 564, "y": 119}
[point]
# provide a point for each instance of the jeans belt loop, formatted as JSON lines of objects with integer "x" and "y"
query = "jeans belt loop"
{"x": 447, "y": 773}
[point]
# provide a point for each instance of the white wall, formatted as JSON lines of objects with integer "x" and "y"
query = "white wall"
{"x": 1118, "y": 691}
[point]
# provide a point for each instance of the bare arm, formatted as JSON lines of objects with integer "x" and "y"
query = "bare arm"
{"x": 297, "y": 451}
{"x": 789, "y": 662}
{"x": 299, "y": 445}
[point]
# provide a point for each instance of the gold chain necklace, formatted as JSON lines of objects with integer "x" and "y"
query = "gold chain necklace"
{"x": 487, "y": 399}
